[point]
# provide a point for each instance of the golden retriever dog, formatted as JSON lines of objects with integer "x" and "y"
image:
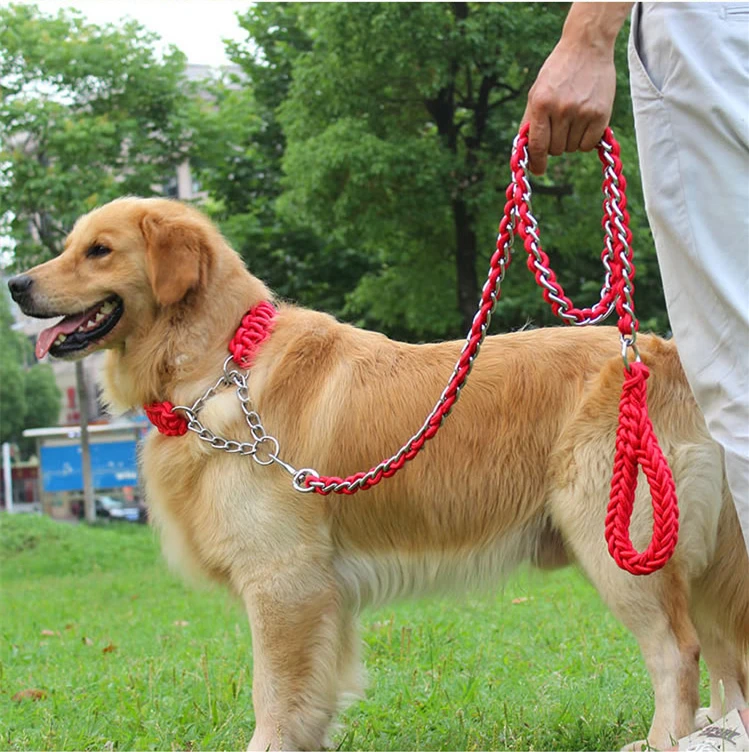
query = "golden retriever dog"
{"x": 520, "y": 472}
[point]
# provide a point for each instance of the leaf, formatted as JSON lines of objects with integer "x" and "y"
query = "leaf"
{"x": 181, "y": 623}
{"x": 87, "y": 641}
{"x": 515, "y": 601}
{"x": 109, "y": 648}
{"x": 49, "y": 633}
{"x": 29, "y": 694}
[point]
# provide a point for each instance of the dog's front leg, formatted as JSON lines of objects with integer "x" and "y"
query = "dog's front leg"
{"x": 295, "y": 636}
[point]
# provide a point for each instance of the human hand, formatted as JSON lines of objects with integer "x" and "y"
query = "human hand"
{"x": 569, "y": 105}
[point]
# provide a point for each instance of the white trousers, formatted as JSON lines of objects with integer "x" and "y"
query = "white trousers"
{"x": 689, "y": 74}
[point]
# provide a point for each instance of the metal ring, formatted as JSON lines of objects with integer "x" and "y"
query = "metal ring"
{"x": 190, "y": 414}
{"x": 301, "y": 476}
{"x": 627, "y": 343}
{"x": 228, "y": 373}
{"x": 271, "y": 454}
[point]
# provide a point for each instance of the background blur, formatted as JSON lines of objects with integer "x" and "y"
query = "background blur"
{"x": 355, "y": 155}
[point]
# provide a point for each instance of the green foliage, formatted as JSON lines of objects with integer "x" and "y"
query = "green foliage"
{"x": 42, "y": 397}
{"x": 236, "y": 151}
{"x": 87, "y": 114}
{"x": 29, "y": 396}
{"x": 357, "y": 160}
{"x": 12, "y": 397}
{"x": 399, "y": 123}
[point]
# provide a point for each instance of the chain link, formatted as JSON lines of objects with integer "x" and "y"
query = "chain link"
{"x": 264, "y": 448}
{"x": 535, "y": 245}
{"x": 615, "y": 215}
{"x": 614, "y": 230}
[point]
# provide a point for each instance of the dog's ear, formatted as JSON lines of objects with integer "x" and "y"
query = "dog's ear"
{"x": 176, "y": 256}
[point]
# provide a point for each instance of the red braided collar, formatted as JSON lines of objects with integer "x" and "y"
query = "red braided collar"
{"x": 255, "y": 328}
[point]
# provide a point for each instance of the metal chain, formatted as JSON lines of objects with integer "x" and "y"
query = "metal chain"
{"x": 545, "y": 271}
{"x": 232, "y": 377}
{"x": 613, "y": 222}
{"x": 304, "y": 480}
{"x": 615, "y": 215}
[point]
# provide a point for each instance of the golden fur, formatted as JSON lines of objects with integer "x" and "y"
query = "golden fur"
{"x": 520, "y": 471}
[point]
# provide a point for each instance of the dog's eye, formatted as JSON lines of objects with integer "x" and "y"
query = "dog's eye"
{"x": 98, "y": 250}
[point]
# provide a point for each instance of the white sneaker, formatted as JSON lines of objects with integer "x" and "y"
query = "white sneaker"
{"x": 727, "y": 734}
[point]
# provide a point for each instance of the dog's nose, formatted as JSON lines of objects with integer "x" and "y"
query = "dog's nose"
{"x": 19, "y": 286}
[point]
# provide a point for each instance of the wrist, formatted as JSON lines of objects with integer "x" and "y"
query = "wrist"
{"x": 594, "y": 26}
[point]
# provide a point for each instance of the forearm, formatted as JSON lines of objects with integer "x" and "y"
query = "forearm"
{"x": 570, "y": 103}
{"x": 595, "y": 25}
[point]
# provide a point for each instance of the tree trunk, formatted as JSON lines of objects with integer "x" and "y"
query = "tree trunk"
{"x": 88, "y": 481}
{"x": 465, "y": 261}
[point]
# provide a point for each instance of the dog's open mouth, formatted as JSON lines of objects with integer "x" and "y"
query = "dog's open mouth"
{"x": 77, "y": 331}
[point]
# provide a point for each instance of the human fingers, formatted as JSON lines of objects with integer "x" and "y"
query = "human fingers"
{"x": 575, "y": 134}
{"x": 539, "y": 135}
{"x": 560, "y": 128}
{"x": 593, "y": 133}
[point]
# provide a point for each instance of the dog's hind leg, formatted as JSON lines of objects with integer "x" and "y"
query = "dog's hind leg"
{"x": 720, "y": 611}
{"x": 654, "y": 608}
{"x": 296, "y": 641}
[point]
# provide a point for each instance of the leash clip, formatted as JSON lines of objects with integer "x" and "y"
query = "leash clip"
{"x": 630, "y": 343}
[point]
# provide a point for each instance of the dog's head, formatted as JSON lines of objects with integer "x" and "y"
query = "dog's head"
{"x": 122, "y": 266}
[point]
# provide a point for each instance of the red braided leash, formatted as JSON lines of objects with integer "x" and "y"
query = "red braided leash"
{"x": 636, "y": 442}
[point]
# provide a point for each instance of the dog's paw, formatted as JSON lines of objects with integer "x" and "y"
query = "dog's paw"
{"x": 641, "y": 745}
{"x": 705, "y": 716}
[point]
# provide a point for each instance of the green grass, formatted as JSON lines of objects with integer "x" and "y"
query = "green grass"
{"x": 552, "y": 671}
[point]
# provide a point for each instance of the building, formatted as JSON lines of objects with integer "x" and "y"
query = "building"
{"x": 114, "y": 464}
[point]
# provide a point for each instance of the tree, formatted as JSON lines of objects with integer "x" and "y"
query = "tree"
{"x": 87, "y": 114}
{"x": 237, "y": 149}
{"x": 399, "y": 123}
{"x": 29, "y": 396}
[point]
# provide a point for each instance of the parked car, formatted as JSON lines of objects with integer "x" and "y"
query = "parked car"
{"x": 116, "y": 509}
{"x": 109, "y": 507}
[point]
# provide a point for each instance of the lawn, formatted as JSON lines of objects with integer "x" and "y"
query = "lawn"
{"x": 124, "y": 656}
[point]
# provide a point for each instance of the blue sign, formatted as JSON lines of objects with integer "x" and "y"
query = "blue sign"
{"x": 113, "y": 465}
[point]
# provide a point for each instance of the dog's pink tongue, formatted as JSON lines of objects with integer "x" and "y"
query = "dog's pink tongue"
{"x": 47, "y": 337}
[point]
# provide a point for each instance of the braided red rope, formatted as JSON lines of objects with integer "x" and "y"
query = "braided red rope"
{"x": 545, "y": 276}
{"x": 167, "y": 422}
{"x": 255, "y": 328}
{"x": 636, "y": 442}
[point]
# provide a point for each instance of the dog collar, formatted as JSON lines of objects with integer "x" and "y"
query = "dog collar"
{"x": 255, "y": 328}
